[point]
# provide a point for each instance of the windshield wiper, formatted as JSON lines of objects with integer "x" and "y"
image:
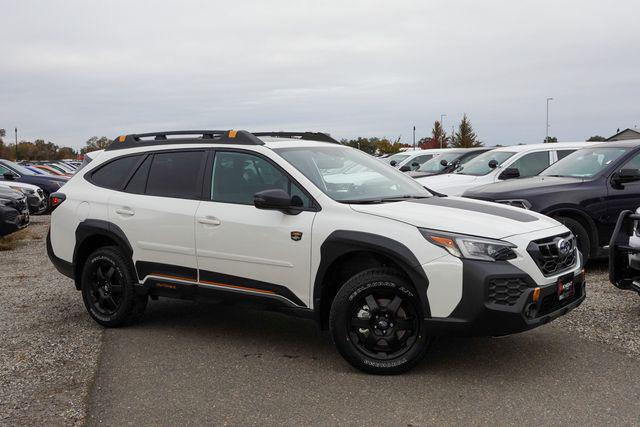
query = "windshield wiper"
{"x": 381, "y": 200}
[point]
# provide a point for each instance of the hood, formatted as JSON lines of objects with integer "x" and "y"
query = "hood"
{"x": 521, "y": 188}
{"x": 8, "y": 184}
{"x": 8, "y": 193}
{"x": 447, "y": 180}
{"x": 460, "y": 215}
{"x": 418, "y": 174}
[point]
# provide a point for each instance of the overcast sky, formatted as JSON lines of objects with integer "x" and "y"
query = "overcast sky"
{"x": 73, "y": 69}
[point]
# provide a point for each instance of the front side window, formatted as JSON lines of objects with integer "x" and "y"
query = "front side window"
{"x": 176, "y": 174}
{"x": 4, "y": 170}
{"x": 237, "y": 177}
{"x": 397, "y": 158}
{"x": 350, "y": 176}
{"x": 480, "y": 165}
{"x": 113, "y": 173}
{"x": 584, "y": 163}
{"x": 532, "y": 164}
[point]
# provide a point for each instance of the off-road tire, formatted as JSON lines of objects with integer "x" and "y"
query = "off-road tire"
{"x": 131, "y": 305}
{"x": 348, "y": 338}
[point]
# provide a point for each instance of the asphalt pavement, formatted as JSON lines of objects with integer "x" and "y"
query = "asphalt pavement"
{"x": 201, "y": 363}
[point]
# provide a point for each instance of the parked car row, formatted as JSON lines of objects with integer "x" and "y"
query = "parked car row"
{"x": 31, "y": 183}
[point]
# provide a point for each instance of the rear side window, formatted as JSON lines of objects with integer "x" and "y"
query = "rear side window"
{"x": 113, "y": 174}
{"x": 176, "y": 174}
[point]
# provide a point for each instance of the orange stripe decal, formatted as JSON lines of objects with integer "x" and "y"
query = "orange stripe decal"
{"x": 242, "y": 288}
{"x": 168, "y": 276}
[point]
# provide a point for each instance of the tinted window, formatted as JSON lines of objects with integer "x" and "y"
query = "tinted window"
{"x": 420, "y": 160}
{"x": 138, "y": 181}
{"x": 564, "y": 153}
{"x": 175, "y": 174}
{"x": 585, "y": 163}
{"x": 237, "y": 177}
{"x": 532, "y": 164}
{"x": 634, "y": 163}
{"x": 113, "y": 174}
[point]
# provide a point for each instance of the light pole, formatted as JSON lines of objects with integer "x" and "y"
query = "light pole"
{"x": 414, "y": 137}
{"x": 546, "y": 139}
{"x": 442, "y": 116}
{"x": 16, "y": 133}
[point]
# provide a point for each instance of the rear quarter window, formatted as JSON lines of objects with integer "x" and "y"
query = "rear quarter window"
{"x": 113, "y": 174}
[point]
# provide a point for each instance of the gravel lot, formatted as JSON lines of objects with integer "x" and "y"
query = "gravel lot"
{"x": 49, "y": 347}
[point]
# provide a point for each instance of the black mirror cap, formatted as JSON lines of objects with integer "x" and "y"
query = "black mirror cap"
{"x": 510, "y": 173}
{"x": 493, "y": 164}
{"x": 626, "y": 175}
{"x": 393, "y": 162}
{"x": 279, "y": 200}
{"x": 443, "y": 162}
{"x": 9, "y": 175}
{"x": 405, "y": 168}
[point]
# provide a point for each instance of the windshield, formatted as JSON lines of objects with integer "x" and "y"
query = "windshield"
{"x": 584, "y": 163}
{"x": 350, "y": 176}
{"x": 397, "y": 157}
{"x": 480, "y": 165}
{"x": 20, "y": 169}
{"x": 434, "y": 165}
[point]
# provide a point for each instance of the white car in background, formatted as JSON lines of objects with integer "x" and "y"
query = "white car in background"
{"x": 518, "y": 161}
{"x": 411, "y": 160}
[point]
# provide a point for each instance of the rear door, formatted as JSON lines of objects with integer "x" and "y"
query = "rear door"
{"x": 242, "y": 249}
{"x": 156, "y": 211}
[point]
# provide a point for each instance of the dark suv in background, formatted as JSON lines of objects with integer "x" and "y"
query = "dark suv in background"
{"x": 14, "y": 212}
{"x": 586, "y": 191}
{"x": 10, "y": 171}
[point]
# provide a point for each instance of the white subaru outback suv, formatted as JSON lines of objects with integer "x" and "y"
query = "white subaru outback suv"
{"x": 270, "y": 218}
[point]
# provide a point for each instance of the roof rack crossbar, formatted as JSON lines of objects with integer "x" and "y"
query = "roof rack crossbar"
{"x": 310, "y": 136}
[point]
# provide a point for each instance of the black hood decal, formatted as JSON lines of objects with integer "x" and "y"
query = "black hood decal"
{"x": 496, "y": 210}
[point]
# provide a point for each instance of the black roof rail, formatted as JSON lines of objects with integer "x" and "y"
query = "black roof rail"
{"x": 240, "y": 137}
{"x": 311, "y": 136}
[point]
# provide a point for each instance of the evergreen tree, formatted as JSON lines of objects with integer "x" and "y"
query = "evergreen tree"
{"x": 465, "y": 137}
{"x": 439, "y": 136}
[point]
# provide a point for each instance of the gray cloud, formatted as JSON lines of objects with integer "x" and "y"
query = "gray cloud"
{"x": 73, "y": 69}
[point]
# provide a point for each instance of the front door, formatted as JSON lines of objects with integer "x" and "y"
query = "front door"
{"x": 247, "y": 250}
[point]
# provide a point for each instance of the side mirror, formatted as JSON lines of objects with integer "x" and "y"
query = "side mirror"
{"x": 443, "y": 162}
{"x": 9, "y": 175}
{"x": 510, "y": 173}
{"x": 393, "y": 162}
{"x": 274, "y": 199}
{"x": 625, "y": 176}
{"x": 405, "y": 168}
{"x": 493, "y": 164}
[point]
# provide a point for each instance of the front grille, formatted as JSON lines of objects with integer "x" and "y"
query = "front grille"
{"x": 549, "y": 255}
{"x": 40, "y": 193}
{"x": 506, "y": 291}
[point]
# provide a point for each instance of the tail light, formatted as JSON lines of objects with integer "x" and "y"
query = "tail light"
{"x": 55, "y": 199}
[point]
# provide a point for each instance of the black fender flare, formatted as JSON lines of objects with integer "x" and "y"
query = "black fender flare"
{"x": 342, "y": 242}
{"x": 96, "y": 227}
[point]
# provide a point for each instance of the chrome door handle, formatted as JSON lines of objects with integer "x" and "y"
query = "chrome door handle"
{"x": 125, "y": 211}
{"x": 209, "y": 220}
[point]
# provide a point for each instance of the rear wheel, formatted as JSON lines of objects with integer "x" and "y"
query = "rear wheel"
{"x": 582, "y": 237}
{"x": 107, "y": 288}
{"x": 376, "y": 322}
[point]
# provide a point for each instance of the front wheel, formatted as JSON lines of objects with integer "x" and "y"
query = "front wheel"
{"x": 376, "y": 322}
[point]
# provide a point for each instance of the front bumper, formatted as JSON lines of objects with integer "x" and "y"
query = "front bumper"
{"x": 624, "y": 258}
{"x": 498, "y": 299}
{"x": 12, "y": 220}
{"x": 36, "y": 203}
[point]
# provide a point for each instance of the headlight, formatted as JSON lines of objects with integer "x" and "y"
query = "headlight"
{"x": 23, "y": 190}
{"x": 518, "y": 203}
{"x": 469, "y": 247}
